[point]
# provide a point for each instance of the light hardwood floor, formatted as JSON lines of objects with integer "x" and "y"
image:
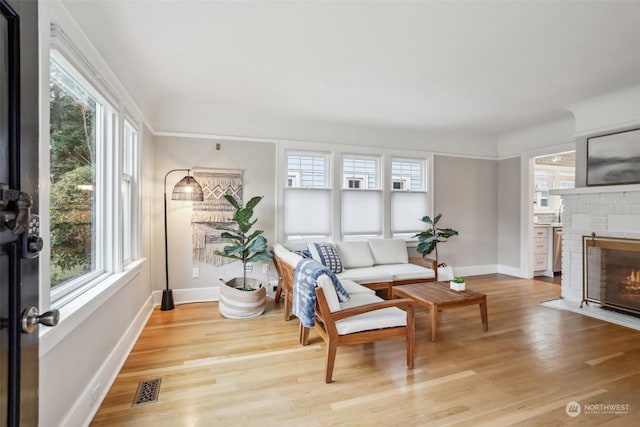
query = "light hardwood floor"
{"x": 531, "y": 363}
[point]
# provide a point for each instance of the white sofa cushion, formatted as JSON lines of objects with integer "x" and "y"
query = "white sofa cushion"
{"x": 407, "y": 271}
{"x": 330, "y": 294}
{"x": 355, "y": 254}
{"x": 353, "y": 288}
{"x": 377, "y": 319}
{"x": 350, "y": 286}
{"x": 326, "y": 254}
{"x": 286, "y": 255}
{"x": 366, "y": 275}
{"x": 389, "y": 251}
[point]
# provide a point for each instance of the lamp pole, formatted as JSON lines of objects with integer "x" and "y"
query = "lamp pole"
{"x": 167, "y": 294}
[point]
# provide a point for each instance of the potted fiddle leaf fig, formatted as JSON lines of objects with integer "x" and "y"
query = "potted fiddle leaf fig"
{"x": 428, "y": 240}
{"x": 243, "y": 297}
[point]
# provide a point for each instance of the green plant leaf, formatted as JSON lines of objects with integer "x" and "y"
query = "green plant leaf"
{"x": 446, "y": 232}
{"x": 233, "y": 250}
{"x": 258, "y": 245}
{"x": 437, "y": 218}
{"x": 253, "y": 202}
{"x": 232, "y": 200}
{"x": 264, "y": 256}
{"x": 426, "y": 219}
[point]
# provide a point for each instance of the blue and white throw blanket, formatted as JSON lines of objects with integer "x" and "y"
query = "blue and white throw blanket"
{"x": 305, "y": 277}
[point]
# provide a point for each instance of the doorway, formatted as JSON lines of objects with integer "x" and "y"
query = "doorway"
{"x": 550, "y": 172}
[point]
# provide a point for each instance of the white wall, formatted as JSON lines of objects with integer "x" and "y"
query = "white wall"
{"x": 256, "y": 159}
{"x": 509, "y": 177}
{"x": 81, "y": 356}
{"x": 466, "y": 195}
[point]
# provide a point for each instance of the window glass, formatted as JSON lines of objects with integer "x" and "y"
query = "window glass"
{"x": 360, "y": 172}
{"x": 74, "y": 127}
{"x": 407, "y": 175}
{"x": 128, "y": 190}
{"x": 307, "y": 170}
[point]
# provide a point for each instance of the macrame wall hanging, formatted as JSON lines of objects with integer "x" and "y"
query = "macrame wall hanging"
{"x": 213, "y": 210}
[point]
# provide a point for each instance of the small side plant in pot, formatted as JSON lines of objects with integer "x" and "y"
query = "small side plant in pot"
{"x": 428, "y": 240}
{"x": 243, "y": 297}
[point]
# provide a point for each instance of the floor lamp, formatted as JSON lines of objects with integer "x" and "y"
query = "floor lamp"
{"x": 186, "y": 189}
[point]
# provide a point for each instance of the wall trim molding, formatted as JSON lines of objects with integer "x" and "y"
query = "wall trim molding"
{"x": 89, "y": 401}
{"x": 511, "y": 271}
{"x": 186, "y": 296}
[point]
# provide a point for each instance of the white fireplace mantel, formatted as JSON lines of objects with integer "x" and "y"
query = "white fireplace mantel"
{"x": 596, "y": 190}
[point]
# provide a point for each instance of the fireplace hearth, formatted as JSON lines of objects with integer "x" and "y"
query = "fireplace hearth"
{"x": 612, "y": 272}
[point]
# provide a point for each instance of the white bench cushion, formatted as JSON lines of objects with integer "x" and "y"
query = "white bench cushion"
{"x": 377, "y": 319}
{"x": 389, "y": 251}
{"x": 355, "y": 254}
{"x": 407, "y": 271}
{"x": 366, "y": 275}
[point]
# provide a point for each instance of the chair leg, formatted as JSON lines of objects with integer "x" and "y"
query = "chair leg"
{"x": 331, "y": 358}
{"x": 303, "y": 333}
{"x": 278, "y": 291}
{"x": 410, "y": 336}
{"x": 287, "y": 306}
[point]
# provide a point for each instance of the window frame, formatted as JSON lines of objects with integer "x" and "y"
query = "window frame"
{"x": 336, "y": 154}
{"x": 109, "y": 164}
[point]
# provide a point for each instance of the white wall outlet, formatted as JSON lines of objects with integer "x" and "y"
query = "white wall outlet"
{"x": 196, "y": 272}
{"x": 265, "y": 268}
{"x": 248, "y": 267}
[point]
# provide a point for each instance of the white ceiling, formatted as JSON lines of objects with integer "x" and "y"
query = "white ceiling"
{"x": 321, "y": 70}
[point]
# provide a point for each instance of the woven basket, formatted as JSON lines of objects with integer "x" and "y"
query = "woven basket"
{"x": 238, "y": 304}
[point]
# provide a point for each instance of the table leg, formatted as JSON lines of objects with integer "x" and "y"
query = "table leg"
{"x": 434, "y": 321}
{"x": 483, "y": 314}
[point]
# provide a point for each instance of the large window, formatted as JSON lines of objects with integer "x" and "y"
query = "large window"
{"x": 307, "y": 197}
{"x": 92, "y": 153}
{"x": 364, "y": 196}
{"x": 361, "y": 203}
{"x": 408, "y": 197}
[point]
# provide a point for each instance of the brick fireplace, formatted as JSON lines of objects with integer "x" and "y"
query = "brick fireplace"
{"x": 612, "y": 211}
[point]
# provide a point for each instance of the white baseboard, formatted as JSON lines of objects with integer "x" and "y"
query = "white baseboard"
{"x": 185, "y": 296}
{"x": 474, "y": 270}
{"x": 511, "y": 271}
{"x": 85, "y": 408}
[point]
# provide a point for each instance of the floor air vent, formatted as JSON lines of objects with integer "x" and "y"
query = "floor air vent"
{"x": 147, "y": 392}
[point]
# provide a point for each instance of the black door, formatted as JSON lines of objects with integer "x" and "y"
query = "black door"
{"x": 19, "y": 243}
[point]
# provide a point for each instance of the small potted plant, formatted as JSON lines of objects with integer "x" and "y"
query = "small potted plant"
{"x": 428, "y": 240}
{"x": 243, "y": 297}
{"x": 457, "y": 284}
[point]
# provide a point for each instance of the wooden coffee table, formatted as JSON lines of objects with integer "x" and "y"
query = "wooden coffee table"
{"x": 438, "y": 295}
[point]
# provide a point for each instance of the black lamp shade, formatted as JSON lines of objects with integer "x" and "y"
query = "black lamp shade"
{"x": 187, "y": 189}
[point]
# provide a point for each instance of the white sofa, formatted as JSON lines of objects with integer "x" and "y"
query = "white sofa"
{"x": 375, "y": 264}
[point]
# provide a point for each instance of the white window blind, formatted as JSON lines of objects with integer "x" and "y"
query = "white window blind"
{"x": 307, "y": 212}
{"x": 406, "y": 210}
{"x": 361, "y": 212}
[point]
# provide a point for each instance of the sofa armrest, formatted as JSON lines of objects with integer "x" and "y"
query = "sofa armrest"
{"x": 425, "y": 262}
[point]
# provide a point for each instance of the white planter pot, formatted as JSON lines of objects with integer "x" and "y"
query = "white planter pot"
{"x": 457, "y": 286}
{"x": 238, "y": 304}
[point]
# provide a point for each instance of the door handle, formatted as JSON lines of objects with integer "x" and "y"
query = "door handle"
{"x": 31, "y": 318}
